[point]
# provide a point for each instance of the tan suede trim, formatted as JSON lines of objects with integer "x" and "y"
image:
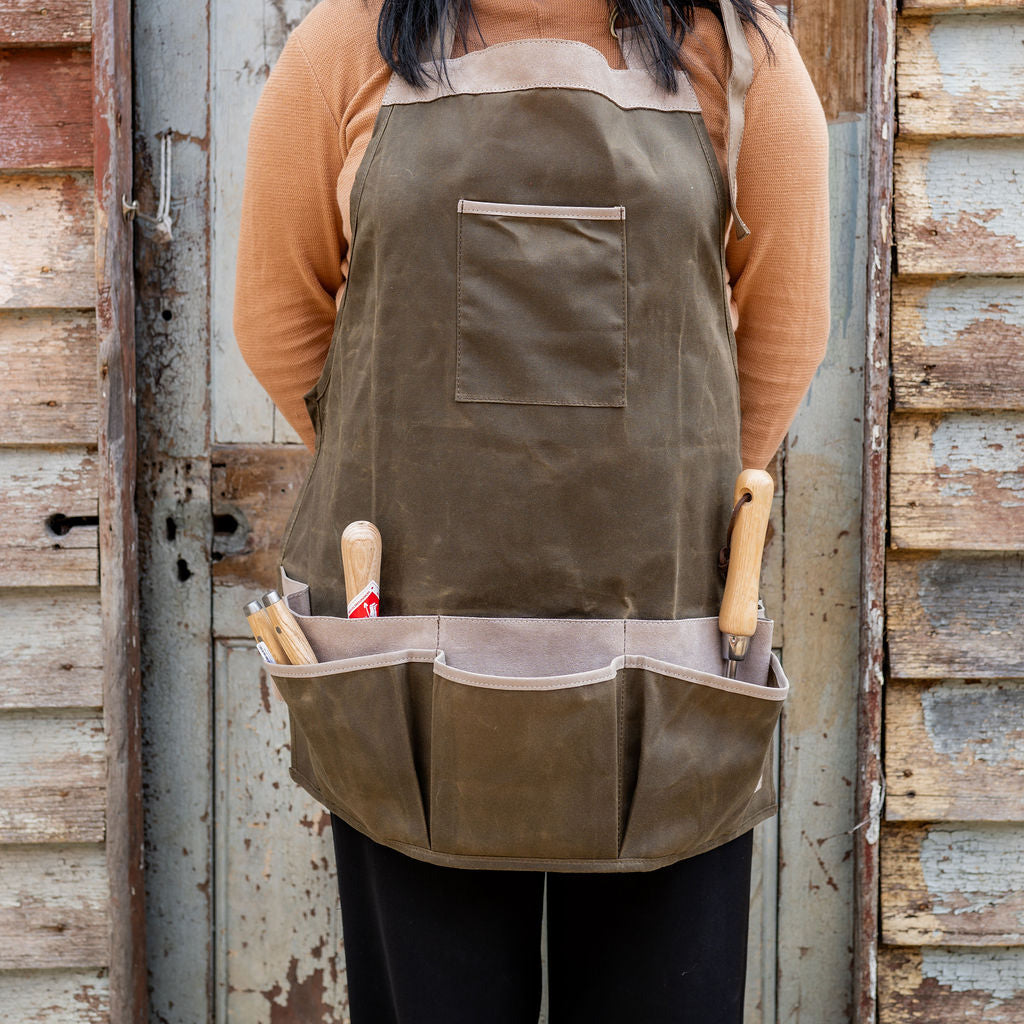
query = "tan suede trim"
{"x": 545, "y": 64}
{"x": 524, "y": 210}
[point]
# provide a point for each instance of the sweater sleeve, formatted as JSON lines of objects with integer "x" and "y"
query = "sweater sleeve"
{"x": 779, "y": 273}
{"x": 291, "y": 244}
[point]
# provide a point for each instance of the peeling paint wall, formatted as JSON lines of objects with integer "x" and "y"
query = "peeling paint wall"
{"x": 952, "y": 870}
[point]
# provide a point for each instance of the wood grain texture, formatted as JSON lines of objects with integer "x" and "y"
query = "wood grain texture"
{"x": 53, "y": 907}
{"x": 254, "y": 488}
{"x": 53, "y": 650}
{"x": 832, "y": 36}
{"x": 924, "y": 7}
{"x": 935, "y": 985}
{"x": 29, "y": 22}
{"x": 870, "y": 783}
{"x": 46, "y": 96}
{"x": 960, "y": 206}
{"x": 956, "y": 884}
{"x": 958, "y": 343}
{"x": 245, "y": 49}
{"x": 821, "y": 594}
{"x": 957, "y": 481}
{"x": 174, "y": 62}
{"x": 955, "y": 614}
{"x": 55, "y": 997}
{"x": 41, "y": 484}
{"x": 280, "y": 957}
{"x": 46, "y": 237}
{"x": 954, "y": 750}
{"x": 962, "y": 75}
{"x": 117, "y": 447}
{"x": 46, "y": 372}
{"x": 53, "y": 781}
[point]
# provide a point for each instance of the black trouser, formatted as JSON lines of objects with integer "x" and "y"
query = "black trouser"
{"x": 426, "y": 944}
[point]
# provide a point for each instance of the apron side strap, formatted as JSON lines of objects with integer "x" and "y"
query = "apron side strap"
{"x": 741, "y": 74}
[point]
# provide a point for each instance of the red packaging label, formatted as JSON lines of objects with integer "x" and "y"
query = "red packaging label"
{"x": 366, "y": 604}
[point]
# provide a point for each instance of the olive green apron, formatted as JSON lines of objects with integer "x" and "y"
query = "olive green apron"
{"x": 532, "y": 391}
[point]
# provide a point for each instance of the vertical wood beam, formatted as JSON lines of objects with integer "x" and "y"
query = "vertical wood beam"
{"x": 118, "y": 538}
{"x": 870, "y": 773}
{"x": 832, "y": 36}
{"x": 173, "y": 284}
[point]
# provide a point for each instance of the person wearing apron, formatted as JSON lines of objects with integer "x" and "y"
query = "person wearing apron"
{"x": 532, "y": 388}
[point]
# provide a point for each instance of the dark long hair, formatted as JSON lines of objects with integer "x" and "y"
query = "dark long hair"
{"x": 407, "y": 27}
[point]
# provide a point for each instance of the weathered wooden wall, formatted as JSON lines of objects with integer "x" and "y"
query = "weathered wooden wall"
{"x": 243, "y": 922}
{"x": 951, "y": 882}
{"x": 68, "y": 866}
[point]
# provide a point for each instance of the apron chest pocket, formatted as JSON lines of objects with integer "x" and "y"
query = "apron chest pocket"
{"x": 541, "y": 304}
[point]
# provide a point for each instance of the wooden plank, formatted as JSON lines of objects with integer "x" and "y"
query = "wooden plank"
{"x": 959, "y": 343}
{"x": 870, "y": 782}
{"x": 762, "y": 931}
{"x": 279, "y": 950}
{"x": 27, "y": 22}
{"x": 243, "y": 51}
{"x": 53, "y": 780}
{"x": 924, "y": 7}
{"x": 954, "y": 750}
{"x": 46, "y": 236}
{"x": 938, "y": 984}
{"x": 46, "y": 358}
{"x": 832, "y": 36}
{"x": 957, "y": 481}
{"x": 117, "y": 448}
{"x": 41, "y": 485}
{"x": 53, "y": 656}
{"x": 174, "y": 67}
{"x": 254, "y": 488}
{"x": 958, "y": 884}
{"x": 55, "y": 997}
{"x": 46, "y": 94}
{"x": 962, "y": 76}
{"x": 821, "y": 596}
{"x": 53, "y": 907}
{"x": 956, "y": 614}
{"x": 960, "y": 206}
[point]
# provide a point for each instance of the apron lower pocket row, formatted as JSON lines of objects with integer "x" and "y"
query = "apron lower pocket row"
{"x": 624, "y": 753}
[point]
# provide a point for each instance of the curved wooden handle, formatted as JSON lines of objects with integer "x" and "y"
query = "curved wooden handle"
{"x": 289, "y": 633}
{"x": 738, "y": 615}
{"x": 360, "y": 555}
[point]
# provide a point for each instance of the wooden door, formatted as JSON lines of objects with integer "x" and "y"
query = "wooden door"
{"x": 243, "y": 921}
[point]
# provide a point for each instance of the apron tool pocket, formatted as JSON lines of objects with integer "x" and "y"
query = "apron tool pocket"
{"x": 525, "y": 771}
{"x": 704, "y": 763}
{"x": 556, "y": 744}
{"x": 541, "y": 304}
{"x": 357, "y": 739}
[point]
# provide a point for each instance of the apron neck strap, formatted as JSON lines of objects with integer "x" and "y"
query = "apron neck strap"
{"x": 741, "y": 73}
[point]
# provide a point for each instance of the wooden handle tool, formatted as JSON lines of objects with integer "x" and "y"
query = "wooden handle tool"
{"x": 266, "y": 639}
{"x": 360, "y": 557}
{"x": 287, "y": 630}
{"x": 738, "y": 616}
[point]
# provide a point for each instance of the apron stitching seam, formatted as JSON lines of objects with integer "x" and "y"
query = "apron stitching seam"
{"x": 625, "y": 322}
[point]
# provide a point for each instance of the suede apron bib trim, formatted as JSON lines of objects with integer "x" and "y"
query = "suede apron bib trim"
{"x": 532, "y": 391}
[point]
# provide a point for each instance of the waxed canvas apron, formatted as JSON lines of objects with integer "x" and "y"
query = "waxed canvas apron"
{"x": 532, "y": 391}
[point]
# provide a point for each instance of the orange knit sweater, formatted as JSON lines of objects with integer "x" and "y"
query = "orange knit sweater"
{"x": 314, "y": 120}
